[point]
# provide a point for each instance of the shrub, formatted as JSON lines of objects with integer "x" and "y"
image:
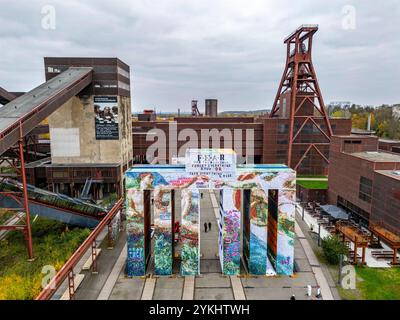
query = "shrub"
{"x": 333, "y": 247}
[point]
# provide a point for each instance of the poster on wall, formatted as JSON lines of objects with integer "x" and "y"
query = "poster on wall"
{"x": 106, "y": 117}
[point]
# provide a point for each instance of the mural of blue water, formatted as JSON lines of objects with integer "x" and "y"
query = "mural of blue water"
{"x": 258, "y": 256}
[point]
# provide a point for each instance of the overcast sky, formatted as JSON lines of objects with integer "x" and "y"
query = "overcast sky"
{"x": 232, "y": 50}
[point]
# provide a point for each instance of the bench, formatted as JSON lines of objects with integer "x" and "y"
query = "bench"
{"x": 89, "y": 261}
{"x": 77, "y": 281}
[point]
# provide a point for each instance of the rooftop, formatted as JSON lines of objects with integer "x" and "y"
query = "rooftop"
{"x": 389, "y": 141}
{"x": 362, "y": 131}
{"x": 377, "y": 156}
{"x": 395, "y": 174}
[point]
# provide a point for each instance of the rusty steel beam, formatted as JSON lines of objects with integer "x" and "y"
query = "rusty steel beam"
{"x": 11, "y": 134}
{"x": 68, "y": 267}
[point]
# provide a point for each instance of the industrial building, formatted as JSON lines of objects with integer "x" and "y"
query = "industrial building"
{"x": 365, "y": 181}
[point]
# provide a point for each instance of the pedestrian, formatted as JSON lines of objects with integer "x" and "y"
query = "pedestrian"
{"x": 293, "y": 297}
{"x": 318, "y": 295}
{"x": 205, "y": 227}
{"x": 209, "y": 226}
{"x": 309, "y": 291}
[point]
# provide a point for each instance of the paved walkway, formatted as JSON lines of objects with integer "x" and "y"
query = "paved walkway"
{"x": 111, "y": 282}
{"x": 323, "y": 282}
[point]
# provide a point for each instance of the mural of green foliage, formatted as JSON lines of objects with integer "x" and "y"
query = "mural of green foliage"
{"x": 163, "y": 254}
{"x": 190, "y": 260}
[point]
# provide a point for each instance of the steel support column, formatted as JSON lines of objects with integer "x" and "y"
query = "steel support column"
{"x": 25, "y": 196}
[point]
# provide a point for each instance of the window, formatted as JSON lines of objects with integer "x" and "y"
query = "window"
{"x": 124, "y": 86}
{"x": 55, "y": 69}
{"x": 352, "y": 141}
{"x": 60, "y": 174}
{"x": 365, "y": 192}
{"x": 283, "y": 128}
{"x": 122, "y": 72}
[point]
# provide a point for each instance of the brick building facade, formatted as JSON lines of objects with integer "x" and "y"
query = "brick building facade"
{"x": 363, "y": 180}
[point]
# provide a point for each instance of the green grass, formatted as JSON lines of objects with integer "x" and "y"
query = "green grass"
{"x": 299, "y": 176}
{"x": 379, "y": 284}
{"x": 53, "y": 244}
{"x": 311, "y": 184}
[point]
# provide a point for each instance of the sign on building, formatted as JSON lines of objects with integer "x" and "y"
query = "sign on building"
{"x": 106, "y": 117}
{"x": 215, "y": 163}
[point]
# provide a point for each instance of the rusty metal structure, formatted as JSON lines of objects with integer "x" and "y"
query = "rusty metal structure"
{"x": 20, "y": 116}
{"x": 195, "y": 110}
{"x": 299, "y": 98}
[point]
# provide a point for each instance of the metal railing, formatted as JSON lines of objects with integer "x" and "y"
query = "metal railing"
{"x": 68, "y": 267}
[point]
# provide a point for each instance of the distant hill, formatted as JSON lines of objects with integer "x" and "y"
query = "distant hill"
{"x": 243, "y": 113}
{"x": 235, "y": 113}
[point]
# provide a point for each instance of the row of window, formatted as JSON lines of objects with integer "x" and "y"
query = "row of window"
{"x": 82, "y": 173}
{"x": 309, "y": 128}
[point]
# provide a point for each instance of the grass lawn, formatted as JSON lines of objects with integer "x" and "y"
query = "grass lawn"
{"x": 53, "y": 244}
{"x": 371, "y": 283}
{"x": 379, "y": 284}
{"x": 310, "y": 184}
{"x": 307, "y": 176}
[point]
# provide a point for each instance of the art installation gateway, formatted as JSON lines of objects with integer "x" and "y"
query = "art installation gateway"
{"x": 268, "y": 195}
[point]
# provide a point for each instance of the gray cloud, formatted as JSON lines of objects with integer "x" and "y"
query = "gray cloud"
{"x": 230, "y": 49}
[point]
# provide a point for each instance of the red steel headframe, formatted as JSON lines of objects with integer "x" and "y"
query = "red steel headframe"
{"x": 300, "y": 80}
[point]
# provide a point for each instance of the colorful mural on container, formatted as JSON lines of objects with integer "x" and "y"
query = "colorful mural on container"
{"x": 190, "y": 232}
{"x": 162, "y": 232}
{"x": 135, "y": 229}
{"x": 260, "y": 179}
{"x": 258, "y": 232}
{"x": 229, "y": 235}
{"x": 286, "y": 233}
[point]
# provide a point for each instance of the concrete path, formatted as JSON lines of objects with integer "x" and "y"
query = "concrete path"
{"x": 113, "y": 277}
{"x": 148, "y": 290}
{"x": 316, "y": 268}
{"x": 188, "y": 289}
{"x": 93, "y": 283}
{"x": 237, "y": 288}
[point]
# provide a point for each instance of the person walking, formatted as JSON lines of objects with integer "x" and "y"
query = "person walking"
{"x": 209, "y": 226}
{"x": 205, "y": 227}
{"x": 293, "y": 297}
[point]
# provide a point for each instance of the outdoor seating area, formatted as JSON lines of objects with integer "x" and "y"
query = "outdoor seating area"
{"x": 376, "y": 246}
{"x": 357, "y": 236}
{"x": 391, "y": 237}
{"x": 323, "y": 218}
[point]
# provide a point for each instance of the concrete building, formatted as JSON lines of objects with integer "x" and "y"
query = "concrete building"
{"x": 91, "y": 140}
{"x": 365, "y": 181}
